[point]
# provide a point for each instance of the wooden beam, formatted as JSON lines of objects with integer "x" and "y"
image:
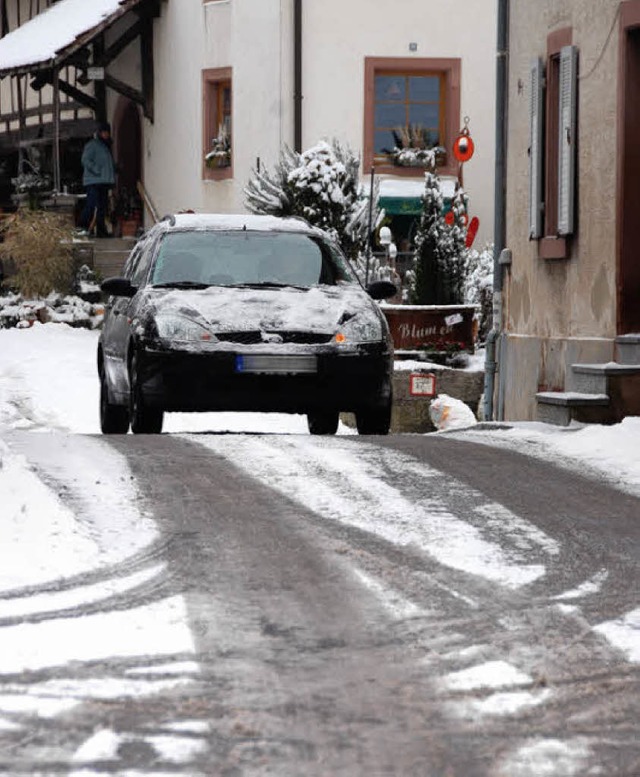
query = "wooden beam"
{"x": 9, "y": 141}
{"x": 78, "y": 95}
{"x": 43, "y": 78}
{"x": 124, "y": 89}
{"x": 4, "y": 18}
{"x": 46, "y": 77}
{"x": 119, "y": 45}
{"x": 56, "y": 130}
{"x": 146, "y": 59}
{"x": 43, "y": 110}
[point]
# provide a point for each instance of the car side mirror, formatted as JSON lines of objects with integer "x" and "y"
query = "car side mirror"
{"x": 118, "y": 287}
{"x": 382, "y": 289}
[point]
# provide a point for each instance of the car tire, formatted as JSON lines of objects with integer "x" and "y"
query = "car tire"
{"x": 323, "y": 422}
{"x": 374, "y": 420}
{"x": 143, "y": 419}
{"x": 114, "y": 419}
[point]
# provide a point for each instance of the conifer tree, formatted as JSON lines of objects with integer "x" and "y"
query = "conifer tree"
{"x": 440, "y": 252}
{"x": 322, "y": 185}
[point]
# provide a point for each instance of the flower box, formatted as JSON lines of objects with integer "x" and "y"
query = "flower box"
{"x": 445, "y": 329}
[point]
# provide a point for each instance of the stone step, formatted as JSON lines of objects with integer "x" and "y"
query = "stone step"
{"x": 113, "y": 243}
{"x": 595, "y": 378}
{"x": 562, "y": 407}
{"x": 628, "y": 349}
{"x": 110, "y": 255}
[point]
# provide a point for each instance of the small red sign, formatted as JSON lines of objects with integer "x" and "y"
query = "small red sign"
{"x": 422, "y": 384}
{"x": 472, "y": 231}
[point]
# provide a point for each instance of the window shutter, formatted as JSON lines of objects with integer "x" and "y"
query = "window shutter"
{"x": 567, "y": 139}
{"x": 536, "y": 148}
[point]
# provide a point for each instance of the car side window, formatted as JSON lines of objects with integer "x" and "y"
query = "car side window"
{"x": 142, "y": 265}
{"x": 132, "y": 261}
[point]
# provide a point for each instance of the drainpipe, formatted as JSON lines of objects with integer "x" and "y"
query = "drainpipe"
{"x": 297, "y": 75}
{"x": 499, "y": 230}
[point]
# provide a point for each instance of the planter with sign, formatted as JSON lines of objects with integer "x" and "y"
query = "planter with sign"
{"x": 440, "y": 332}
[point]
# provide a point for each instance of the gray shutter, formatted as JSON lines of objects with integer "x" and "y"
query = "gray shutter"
{"x": 536, "y": 148}
{"x": 567, "y": 139}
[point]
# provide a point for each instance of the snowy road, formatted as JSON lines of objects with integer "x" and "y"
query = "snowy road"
{"x": 281, "y": 604}
{"x": 254, "y": 601}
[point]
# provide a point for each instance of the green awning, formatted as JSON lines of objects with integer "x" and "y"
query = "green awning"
{"x": 401, "y": 206}
{"x": 407, "y": 206}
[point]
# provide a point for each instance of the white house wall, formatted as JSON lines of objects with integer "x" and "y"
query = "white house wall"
{"x": 255, "y": 39}
{"x": 172, "y": 144}
{"x": 339, "y": 35}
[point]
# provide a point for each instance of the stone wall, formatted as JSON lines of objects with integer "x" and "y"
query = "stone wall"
{"x": 411, "y": 414}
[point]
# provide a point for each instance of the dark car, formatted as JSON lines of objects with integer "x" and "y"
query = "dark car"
{"x": 246, "y": 313}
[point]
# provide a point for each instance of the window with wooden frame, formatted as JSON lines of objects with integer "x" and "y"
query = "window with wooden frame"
{"x": 217, "y": 124}
{"x": 552, "y": 146}
{"x": 411, "y": 106}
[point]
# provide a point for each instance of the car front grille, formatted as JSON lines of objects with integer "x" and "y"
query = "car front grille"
{"x": 256, "y": 337}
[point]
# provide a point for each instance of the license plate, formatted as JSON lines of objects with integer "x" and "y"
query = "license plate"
{"x": 270, "y": 364}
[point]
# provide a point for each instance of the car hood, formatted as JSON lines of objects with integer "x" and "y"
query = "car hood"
{"x": 226, "y": 309}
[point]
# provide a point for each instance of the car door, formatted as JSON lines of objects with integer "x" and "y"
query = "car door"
{"x": 115, "y": 331}
{"x": 139, "y": 272}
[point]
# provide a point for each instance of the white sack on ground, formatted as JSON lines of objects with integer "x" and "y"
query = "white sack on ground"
{"x": 449, "y": 413}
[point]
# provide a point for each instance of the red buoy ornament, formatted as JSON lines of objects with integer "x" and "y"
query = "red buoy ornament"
{"x": 464, "y": 146}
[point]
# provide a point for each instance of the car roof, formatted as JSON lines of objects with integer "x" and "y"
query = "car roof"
{"x": 229, "y": 222}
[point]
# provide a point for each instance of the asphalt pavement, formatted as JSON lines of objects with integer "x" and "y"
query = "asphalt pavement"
{"x": 324, "y": 648}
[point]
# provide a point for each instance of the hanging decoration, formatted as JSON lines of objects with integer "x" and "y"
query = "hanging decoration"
{"x": 464, "y": 146}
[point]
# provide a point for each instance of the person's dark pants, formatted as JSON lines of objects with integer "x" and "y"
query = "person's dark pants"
{"x": 96, "y": 207}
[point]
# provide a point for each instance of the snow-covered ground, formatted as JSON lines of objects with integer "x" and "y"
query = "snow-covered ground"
{"x": 48, "y": 382}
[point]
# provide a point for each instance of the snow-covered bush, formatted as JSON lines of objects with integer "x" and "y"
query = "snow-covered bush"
{"x": 478, "y": 286}
{"x": 440, "y": 252}
{"x": 321, "y": 185}
{"x": 39, "y": 244}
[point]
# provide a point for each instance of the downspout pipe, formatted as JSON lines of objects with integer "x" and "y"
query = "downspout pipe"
{"x": 297, "y": 75}
{"x": 500, "y": 201}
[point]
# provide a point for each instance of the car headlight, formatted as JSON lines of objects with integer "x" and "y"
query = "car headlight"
{"x": 181, "y": 329}
{"x": 359, "y": 329}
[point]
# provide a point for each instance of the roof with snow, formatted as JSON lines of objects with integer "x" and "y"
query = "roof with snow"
{"x": 237, "y": 222}
{"x": 57, "y": 32}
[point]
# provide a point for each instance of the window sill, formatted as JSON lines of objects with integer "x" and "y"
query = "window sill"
{"x": 217, "y": 173}
{"x": 405, "y": 171}
{"x": 553, "y": 248}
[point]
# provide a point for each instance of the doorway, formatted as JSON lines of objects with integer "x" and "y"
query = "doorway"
{"x": 128, "y": 156}
{"x": 629, "y": 181}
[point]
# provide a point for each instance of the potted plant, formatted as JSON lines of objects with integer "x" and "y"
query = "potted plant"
{"x": 127, "y": 213}
{"x": 415, "y": 147}
{"x": 220, "y": 154}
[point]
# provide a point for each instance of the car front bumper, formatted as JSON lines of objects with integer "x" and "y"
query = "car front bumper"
{"x": 230, "y": 380}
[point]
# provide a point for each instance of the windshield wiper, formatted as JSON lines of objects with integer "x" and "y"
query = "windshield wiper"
{"x": 181, "y": 285}
{"x": 266, "y": 285}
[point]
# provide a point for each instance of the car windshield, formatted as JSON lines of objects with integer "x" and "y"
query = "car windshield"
{"x": 218, "y": 258}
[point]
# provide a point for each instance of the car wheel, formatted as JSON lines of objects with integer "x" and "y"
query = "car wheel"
{"x": 114, "y": 419}
{"x": 325, "y": 422}
{"x": 143, "y": 419}
{"x": 374, "y": 420}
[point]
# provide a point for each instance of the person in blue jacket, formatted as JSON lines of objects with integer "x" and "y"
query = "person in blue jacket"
{"x": 99, "y": 175}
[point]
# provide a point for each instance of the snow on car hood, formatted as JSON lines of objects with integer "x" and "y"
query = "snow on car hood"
{"x": 317, "y": 309}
